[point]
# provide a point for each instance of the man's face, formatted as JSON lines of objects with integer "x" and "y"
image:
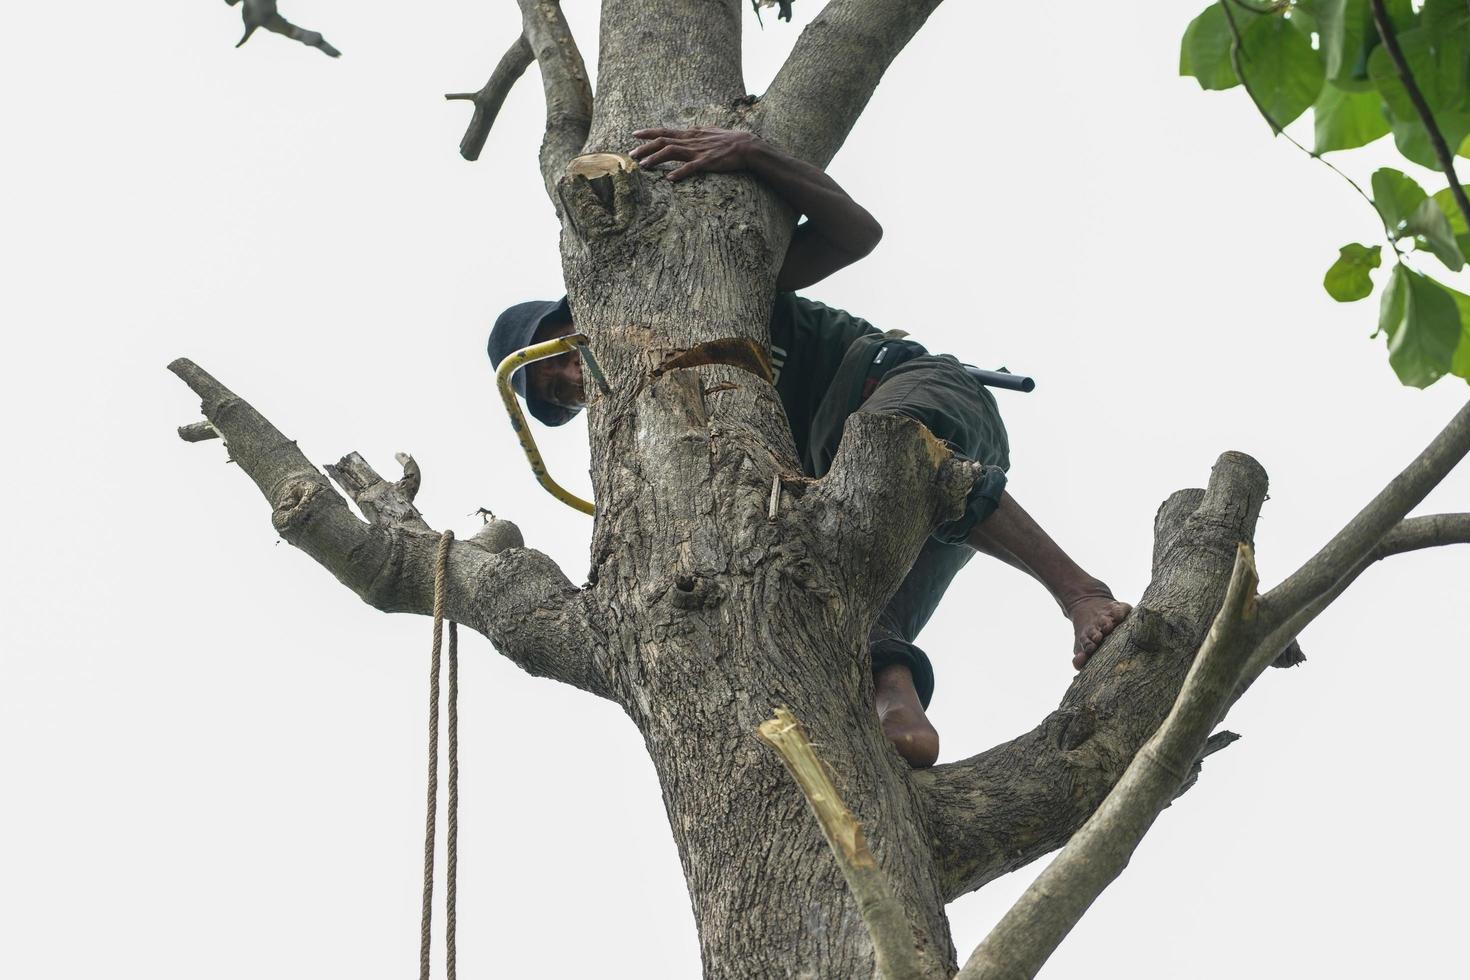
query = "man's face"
{"x": 557, "y": 379}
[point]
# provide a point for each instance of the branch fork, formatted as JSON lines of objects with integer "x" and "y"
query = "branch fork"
{"x": 515, "y": 596}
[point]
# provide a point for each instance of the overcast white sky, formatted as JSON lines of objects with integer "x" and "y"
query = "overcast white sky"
{"x": 212, "y": 754}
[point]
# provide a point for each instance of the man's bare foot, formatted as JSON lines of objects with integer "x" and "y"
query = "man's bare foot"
{"x": 902, "y": 716}
{"x": 1094, "y": 614}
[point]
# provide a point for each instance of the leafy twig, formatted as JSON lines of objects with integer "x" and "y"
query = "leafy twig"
{"x": 1236, "y": 44}
{"x": 1416, "y": 96}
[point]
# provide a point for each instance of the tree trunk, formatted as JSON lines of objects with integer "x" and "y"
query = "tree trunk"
{"x": 714, "y": 613}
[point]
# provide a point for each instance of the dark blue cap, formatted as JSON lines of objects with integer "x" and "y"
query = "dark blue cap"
{"x": 516, "y": 328}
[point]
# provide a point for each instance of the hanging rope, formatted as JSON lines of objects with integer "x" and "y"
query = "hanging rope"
{"x": 452, "y": 843}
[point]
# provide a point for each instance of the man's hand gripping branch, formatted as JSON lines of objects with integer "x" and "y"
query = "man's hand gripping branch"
{"x": 837, "y": 232}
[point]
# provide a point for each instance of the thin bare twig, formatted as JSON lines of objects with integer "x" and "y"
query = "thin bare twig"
{"x": 200, "y": 431}
{"x": 262, "y": 13}
{"x": 1412, "y": 534}
{"x": 894, "y": 949}
{"x": 491, "y": 97}
{"x": 1358, "y": 538}
{"x": 1442, "y": 150}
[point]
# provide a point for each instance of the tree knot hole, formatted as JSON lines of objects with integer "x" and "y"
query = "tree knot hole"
{"x": 294, "y": 503}
{"x": 600, "y": 194}
{"x": 695, "y": 591}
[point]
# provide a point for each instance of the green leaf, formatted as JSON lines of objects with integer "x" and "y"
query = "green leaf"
{"x": 1344, "y": 120}
{"x": 1348, "y": 280}
{"x": 1343, "y": 27}
{"x": 1446, "y": 201}
{"x": 1460, "y": 366}
{"x": 1441, "y": 68}
{"x": 1431, "y": 230}
{"x": 1348, "y": 36}
{"x": 1446, "y": 23}
{"x": 1205, "y": 50}
{"x": 1460, "y": 363}
{"x": 1422, "y": 321}
{"x": 1396, "y": 195}
{"x": 1284, "y": 71}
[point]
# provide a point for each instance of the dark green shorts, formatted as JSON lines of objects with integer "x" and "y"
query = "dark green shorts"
{"x": 936, "y": 391}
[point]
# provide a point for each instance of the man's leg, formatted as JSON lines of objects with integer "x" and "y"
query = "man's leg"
{"x": 903, "y": 679}
{"x": 1011, "y": 535}
{"x": 935, "y": 391}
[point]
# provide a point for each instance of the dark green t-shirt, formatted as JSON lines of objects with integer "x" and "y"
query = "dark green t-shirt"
{"x": 808, "y": 341}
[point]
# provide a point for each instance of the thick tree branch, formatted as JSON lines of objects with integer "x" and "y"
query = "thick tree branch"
{"x": 491, "y": 97}
{"x": 564, "y": 80}
{"x": 1232, "y": 656}
{"x": 894, "y": 950}
{"x": 1030, "y": 932}
{"x": 1356, "y": 541}
{"x": 832, "y": 72}
{"x": 999, "y": 810}
{"x": 1442, "y": 151}
{"x": 517, "y": 597}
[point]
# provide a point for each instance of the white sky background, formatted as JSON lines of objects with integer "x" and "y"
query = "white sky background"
{"x": 212, "y": 754}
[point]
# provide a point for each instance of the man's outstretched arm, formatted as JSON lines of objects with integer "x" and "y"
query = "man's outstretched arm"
{"x": 838, "y": 231}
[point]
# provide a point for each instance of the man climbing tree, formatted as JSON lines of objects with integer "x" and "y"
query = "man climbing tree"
{"x": 827, "y": 364}
{"x": 733, "y": 576}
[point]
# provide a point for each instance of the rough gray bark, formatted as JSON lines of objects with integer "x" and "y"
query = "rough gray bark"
{"x": 707, "y": 605}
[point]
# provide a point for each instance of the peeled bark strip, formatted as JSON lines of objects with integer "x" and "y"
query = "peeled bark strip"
{"x": 895, "y": 955}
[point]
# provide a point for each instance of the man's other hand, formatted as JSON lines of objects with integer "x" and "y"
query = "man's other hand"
{"x": 715, "y": 151}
